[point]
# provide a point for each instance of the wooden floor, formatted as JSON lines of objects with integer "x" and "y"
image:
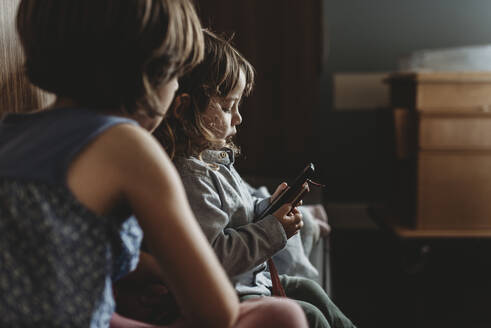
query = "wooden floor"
{"x": 379, "y": 281}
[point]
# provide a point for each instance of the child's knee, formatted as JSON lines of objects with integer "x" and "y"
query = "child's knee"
{"x": 315, "y": 317}
{"x": 310, "y": 283}
{"x": 272, "y": 312}
{"x": 300, "y": 288}
{"x": 287, "y": 313}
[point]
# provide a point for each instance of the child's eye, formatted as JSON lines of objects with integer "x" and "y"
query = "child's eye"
{"x": 227, "y": 107}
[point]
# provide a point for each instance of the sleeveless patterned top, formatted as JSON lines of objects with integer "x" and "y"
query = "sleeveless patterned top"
{"x": 58, "y": 259}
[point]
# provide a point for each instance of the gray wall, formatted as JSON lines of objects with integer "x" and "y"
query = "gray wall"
{"x": 370, "y": 35}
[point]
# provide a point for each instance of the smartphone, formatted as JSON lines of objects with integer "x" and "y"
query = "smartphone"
{"x": 293, "y": 193}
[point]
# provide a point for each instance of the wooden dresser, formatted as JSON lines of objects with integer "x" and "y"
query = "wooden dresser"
{"x": 443, "y": 146}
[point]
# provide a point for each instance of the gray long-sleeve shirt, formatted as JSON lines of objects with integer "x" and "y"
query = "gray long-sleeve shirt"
{"x": 225, "y": 210}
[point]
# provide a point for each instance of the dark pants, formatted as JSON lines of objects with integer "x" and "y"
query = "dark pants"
{"x": 320, "y": 311}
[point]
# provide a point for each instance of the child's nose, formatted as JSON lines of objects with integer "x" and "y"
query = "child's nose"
{"x": 237, "y": 118}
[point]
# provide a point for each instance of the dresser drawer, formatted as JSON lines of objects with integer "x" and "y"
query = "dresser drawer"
{"x": 454, "y": 132}
{"x": 435, "y": 95}
{"x": 433, "y": 91}
{"x": 454, "y": 190}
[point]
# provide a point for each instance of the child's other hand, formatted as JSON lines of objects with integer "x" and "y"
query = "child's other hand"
{"x": 320, "y": 218}
{"x": 290, "y": 219}
{"x": 282, "y": 186}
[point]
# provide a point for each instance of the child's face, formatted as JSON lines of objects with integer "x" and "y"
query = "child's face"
{"x": 166, "y": 94}
{"x": 222, "y": 114}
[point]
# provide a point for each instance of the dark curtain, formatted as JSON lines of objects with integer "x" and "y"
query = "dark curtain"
{"x": 283, "y": 41}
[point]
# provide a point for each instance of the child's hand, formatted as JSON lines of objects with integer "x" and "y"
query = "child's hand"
{"x": 290, "y": 219}
{"x": 282, "y": 186}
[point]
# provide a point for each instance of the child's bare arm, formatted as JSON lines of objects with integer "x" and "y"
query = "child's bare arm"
{"x": 147, "y": 180}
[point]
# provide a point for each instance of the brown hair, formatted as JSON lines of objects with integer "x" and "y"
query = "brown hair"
{"x": 183, "y": 131}
{"x": 109, "y": 54}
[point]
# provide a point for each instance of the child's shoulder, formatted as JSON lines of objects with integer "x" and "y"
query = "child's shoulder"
{"x": 193, "y": 166}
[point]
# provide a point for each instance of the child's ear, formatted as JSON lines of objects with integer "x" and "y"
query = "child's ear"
{"x": 181, "y": 103}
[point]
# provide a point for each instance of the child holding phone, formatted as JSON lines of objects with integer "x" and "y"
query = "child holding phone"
{"x": 80, "y": 181}
{"x": 197, "y": 133}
